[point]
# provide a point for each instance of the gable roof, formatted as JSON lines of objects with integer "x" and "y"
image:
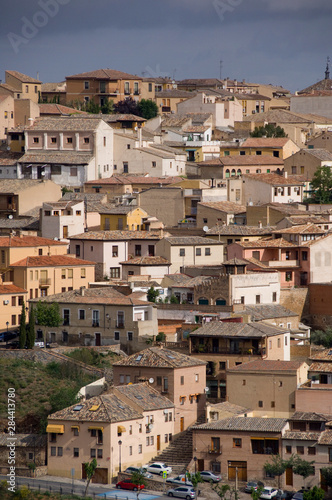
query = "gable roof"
{"x": 147, "y": 261}
{"x": 154, "y": 357}
{"x": 28, "y": 241}
{"x": 104, "y": 74}
{"x": 225, "y": 329}
{"x": 270, "y": 243}
{"x": 52, "y": 261}
{"x": 65, "y": 124}
{"x": 190, "y": 240}
{"x": 265, "y": 365}
{"x": 268, "y": 142}
{"x": 224, "y": 206}
{"x": 276, "y": 180}
{"x": 307, "y": 228}
{"x": 116, "y": 235}
{"x": 145, "y": 396}
{"x": 22, "y": 77}
{"x": 253, "y": 424}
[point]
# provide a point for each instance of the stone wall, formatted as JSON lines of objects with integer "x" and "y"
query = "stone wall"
{"x": 297, "y": 300}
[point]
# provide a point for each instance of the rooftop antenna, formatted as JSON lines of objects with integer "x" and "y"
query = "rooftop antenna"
{"x": 327, "y": 71}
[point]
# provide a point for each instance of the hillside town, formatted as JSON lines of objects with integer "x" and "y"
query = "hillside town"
{"x": 183, "y": 230}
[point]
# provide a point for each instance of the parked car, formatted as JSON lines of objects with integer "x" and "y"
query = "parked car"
{"x": 181, "y": 479}
{"x": 207, "y": 475}
{"x": 253, "y": 484}
{"x": 186, "y": 492}
{"x": 268, "y": 493}
{"x": 284, "y": 495}
{"x": 158, "y": 468}
{"x": 130, "y": 470}
{"x": 126, "y": 484}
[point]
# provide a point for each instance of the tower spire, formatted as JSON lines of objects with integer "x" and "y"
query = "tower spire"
{"x": 327, "y": 71}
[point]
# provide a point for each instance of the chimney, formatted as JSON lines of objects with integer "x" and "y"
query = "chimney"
{"x": 82, "y": 288}
{"x": 260, "y": 225}
{"x": 285, "y": 174}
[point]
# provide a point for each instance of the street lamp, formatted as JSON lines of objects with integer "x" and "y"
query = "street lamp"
{"x": 7, "y": 325}
{"x": 120, "y": 443}
{"x": 195, "y": 461}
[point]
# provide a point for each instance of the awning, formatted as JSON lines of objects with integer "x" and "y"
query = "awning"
{"x": 75, "y": 427}
{"x": 121, "y": 429}
{"x": 55, "y": 429}
{"x": 95, "y": 428}
{"x": 265, "y": 438}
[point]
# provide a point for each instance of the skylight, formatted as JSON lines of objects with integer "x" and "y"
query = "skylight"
{"x": 78, "y": 407}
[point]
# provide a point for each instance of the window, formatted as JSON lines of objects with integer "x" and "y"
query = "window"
{"x": 69, "y": 140}
{"x": 13, "y": 301}
{"x": 115, "y": 251}
{"x": 182, "y": 252}
{"x": 158, "y": 380}
{"x": 52, "y": 437}
{"x": 114, "y": 272}
{"x": 138, "y": 250}
{"x": 139, "y": 449}
{"x": 120, "y": 319}
{"x": 86, "y": 140}
{"x": 198, "y": 251}
{"x": 182, "y": 380}
{"x": 237, "y": 443}
{"x": 304, "y": 255}
{"x": 73, "y": 172}
{"x": 130, "y": 336}
{"x": 86, "y": 85}
{"x": 116, "y": 335}
{"x": 300, "y": 450}
{"x": 222, "y": 365}
{"x": 83, "y": 274}
{"x": 92, "y": 453}
{"x": 196, "y": 377}
{"x": 274, "y": 297}
{"x": 125, "y": 167}
{"x": 63, "y": 274}
{"x": 99, "y": 453}
{"x": 166, "y": 417}
{"x": 288, "y": 275}
{"x": 130, "y": 450}
{"x": 154, "y": 164}
{"x": 244, "y": 382}
{"x": 215, "y": 444}
{"x": 76, "y": 452}
{"x": 147, "y": 441}
{"x": 36, "y": 140}
{"x": 260, "y": 404}
{"x": 330, "y": 454}
{"x": 14, "y": 319}
{"x": 258, "y": 299}
{"x": 311, "y": 450}
{"x": 60, "y": 451}
{"x": 273, "y": 404}
{"x": 166, "y": 438}
{"x": 207, "y": 251}
{"x": 53, "y": 451}
{"x": 66, "y": 317}
{"x": 288, "y": 450}
{"x": 53, "y": 140}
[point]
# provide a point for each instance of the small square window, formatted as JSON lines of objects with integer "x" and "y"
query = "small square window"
{"x": 182, "y": 252}
{"x": 93, "y": 453}
{"x": 288, "y": 450}
{"x": 260, "y": 404}
{"x": 182, "y": 380}
{"x": 300, "y": 450}
{"x": 76, "y": 452}
{"x": 208, "y": 251}
{"x": 237, "y": 443}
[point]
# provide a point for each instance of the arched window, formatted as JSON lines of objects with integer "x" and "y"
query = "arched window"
{"x": 203, "y": 301}
{"x": 233, "y": 173}
{"x": 227, "y": 173}
{"x": 238, "y": 171}
{"x": 220, "y": 302}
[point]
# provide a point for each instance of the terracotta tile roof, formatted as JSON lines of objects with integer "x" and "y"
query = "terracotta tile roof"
{"x": 58, "y": 109}
{"x": 325, "y": 84}
{"x": 229, "y": 161}
{"x": 22, "y": 77}
{"x": 241, "y": 330}
{"x": 275, "y": 179}
{"x": 110, "y": 408}
{"x": 190, "y": 240}
{"x": 122, "y": 117}
{"x": 132, "y": 179}
{"x": 63, "y": 157}
{"x": 195, "y": 128}
{"x": 9, "y": 289}
{"x": 201, "y": 81}
{"x": 302, "y": 436}
{"x": 271, "y": 243}
{"x": 283, "y": 116}
{"x": 253, "y": 424}
{"x": 321, "y": 367}
{"x": 27, "y": 223}
{"x": 307, "y": 228}
{"x": 321, "y": 154}
{"x": 225, "y": 206}
{"x": 14, "y": 186}
{"x": 159, "y": 357}
{"x": 310, "y": 416}
{"x": 325, "y": 438}
{"x": 52, "y": 260}
{"x": 268, "y": 311}
{"x": 65, "y": 123}
{"x": 229, "y": 408}
{"x": 117, "y": 235}
{"x": 305, "y": 219}
{"x": 175, "y": 93}
{"x": 25, "y": 440}
{"x": 265, "y": 365}
{"x": 120, "y": 209}
{"x": 9, "y": 158}
{"x": 184, "y": 281}
{"x": 236, "y": 230}
{"x": 323, "y": 355}
{"x": 104, "y": 74}
{"x": 268, "y": 142}
{"x": 28, "y": 241}
{"x": 103, "y": 296}
{"x": 53, "y": 87}
{"x": 144, "y": 396}
{"x": 147, "y": 261}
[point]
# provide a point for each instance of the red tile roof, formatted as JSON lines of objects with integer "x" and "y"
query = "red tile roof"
{"x": 263, "y": 365}
{"x": 52, "y": 260}
{"x": 105, "y": 74}
{"x": 9, "y": 289}
{"x": 276, "y": 180}
{"x": 28, "y": 241}
{"x": 261, "y": 142}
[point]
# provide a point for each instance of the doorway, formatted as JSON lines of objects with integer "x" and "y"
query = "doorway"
{"x": 289, "y": 476}
{"x": 181, "y": 424}
{"x": 158, "y": 442}
{"x": 97, "y": 339}
{"x": 241, "y": 468}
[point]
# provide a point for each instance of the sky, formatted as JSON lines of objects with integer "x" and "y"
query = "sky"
{"x": 282, "y": 42}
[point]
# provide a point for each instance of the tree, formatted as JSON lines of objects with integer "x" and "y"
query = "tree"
{"x": 268, "y": 130}
{"x": 195, "y": 478}
{"x": 303, "y": 468}
{"x": 127, "y": 106}
{"x": 148, "y": 109}
{"x": 137, "y": 477}
{"x": 31, "y": 329}
{"x": 314, "y": 494}
{"x": 108, "y": 107}
{"x": 152, "y": 294}
{"x": 48, "y": 314}
{"x": 327, "y": 475}
{"x": 321, "y": 185}
{"x": 174, "y": 300}
{"x": 276, "y": 467}
{"x": 90, "y": 469}
{"x": 63, "y": 398}
{"x": 318, "y": 337}
{"x": 23, "y": 333}
{"x": 256, "y": 494}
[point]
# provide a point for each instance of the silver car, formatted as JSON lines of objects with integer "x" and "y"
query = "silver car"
{"x": 186, "y": 492}
{"x": 207, "y": 475}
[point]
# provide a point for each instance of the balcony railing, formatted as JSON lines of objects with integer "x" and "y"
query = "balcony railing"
{"x": 44, "y": 281}
{"x": 120, "y": 324}
{"x": 283, "y": 263}
{"x": 220, "y": 350}
{"x": 95, "y": 323}
{"x": 215, "y": 450}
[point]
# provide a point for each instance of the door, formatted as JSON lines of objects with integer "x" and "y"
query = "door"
{"x": 158, "y": 442}
{"x": 237, "y": 467}
{"x": 289, "y": 476}
{"x": 97, "y": 339}
{"x": 65, "y": 232}
{"x": 181, "y": 424}
{"x": 200, "y": 464}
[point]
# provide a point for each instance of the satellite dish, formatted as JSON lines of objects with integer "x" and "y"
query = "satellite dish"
{"x": 10, "y": 216}
{"x": 207, "y": 389}
{"x": 205, "y": 228}
{"x": 42, "y": 174}
{"x": 151, "y": 380}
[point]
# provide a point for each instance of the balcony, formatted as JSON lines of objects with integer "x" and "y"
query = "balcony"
{"x": 120, "y": 324}
{"x": 283, "y": 263}
{"x": 224, "y": 350}
{"x": 214, "y": 450}
{"x": 44, "y": 282}
{"x": 95, "y": 323}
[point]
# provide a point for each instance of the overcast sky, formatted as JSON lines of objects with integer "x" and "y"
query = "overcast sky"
{"x": 283, "y": 42}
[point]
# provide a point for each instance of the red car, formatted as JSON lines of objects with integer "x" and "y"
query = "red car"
{"x": 128, "y": 485}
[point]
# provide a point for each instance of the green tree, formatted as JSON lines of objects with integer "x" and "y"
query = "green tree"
{"x": 268, "y": 130}
{"x": 314, "y": 494}
{"x": 276, "y": 467}
{"x": 127, "y": 106}
{"x": 148, "y": 109}
{"x": 174, "y": 299}
{"x": 303, "y": 468}
{"x": 327, "y": 475}
{"x": 48, "y": 314}
{"x": 318, "y": 337}
{"x": 90, "y": 469}
{"x": 63, "y": 398}
{"x": 321, "y": 185}
{"x": 137, "y": 477}
{"x": 195, "y": 478}
{"x": 31, "y": 329}
{"x": 23, "y": 332}
{"x": 256, "y": 494}
{"x": 108, "y": 107}
{"x": 152, "y": 294}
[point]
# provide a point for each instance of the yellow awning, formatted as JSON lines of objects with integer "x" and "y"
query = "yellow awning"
{"x": 55, "y": 429}
{"x": 75, "y": 427}
{"x": 95, "y": 428}
{"x": 121, "y": 429}
{"x": 94, "y": 408}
